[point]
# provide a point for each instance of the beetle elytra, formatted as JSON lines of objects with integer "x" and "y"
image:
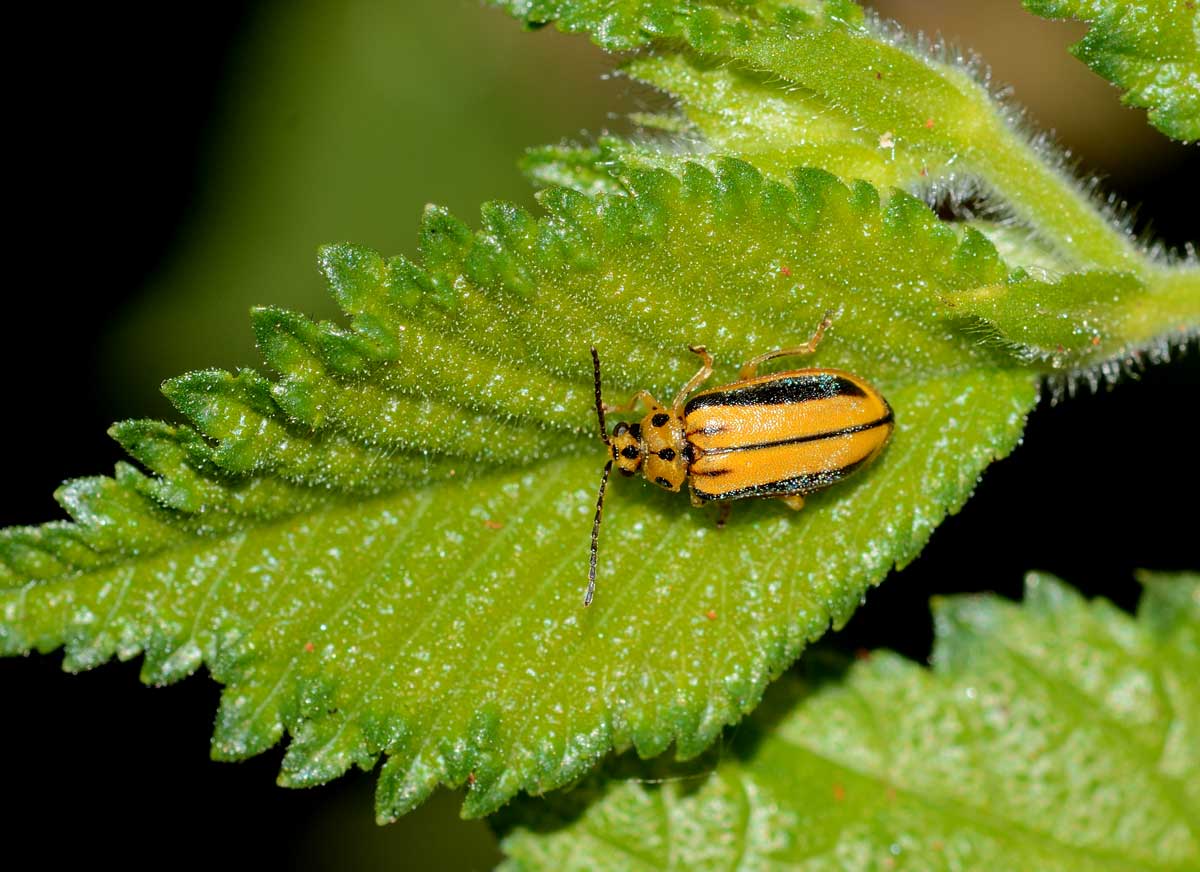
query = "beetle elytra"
{"x": 781, "y": 435}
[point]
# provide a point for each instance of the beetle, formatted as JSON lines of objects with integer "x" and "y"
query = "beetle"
{"x": 781, "y": 435}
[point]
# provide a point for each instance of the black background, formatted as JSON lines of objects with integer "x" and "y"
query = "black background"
{"x": 103, "y": 161}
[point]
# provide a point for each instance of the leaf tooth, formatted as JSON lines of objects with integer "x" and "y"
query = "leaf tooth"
{"x": 977, "y": 260}
{"x": 864, "y": 198}
{"x": 250, "y": 718}
{"x": 820, "y": 195}
{"x": 513, "y": 227}
{"x": 650, "y": 738}
{"x": 739, "y": 186}
{"x": 685, "y": 718}
{"x": 470, "y": 754}
{"x": 904, "y": 214}
{"x": 569, "y": 206}
{"x": 410, "y": 286}
{"x": 498, "y": 261}
{"x": 651, "y": 183}
{"x": 572, "y": 222}
{"x": 1170, "y": 602}
{"x": 443, "y": 240}
{"x": 322, "y": 748}
{"x": 778, "y": 201}
{"x": 405, "y": 783}
{"x": 487, "y": 796}
{"x": 1046, "y": 596}
{"x": 699, "y": 186}
{"x": 356, "y": 274}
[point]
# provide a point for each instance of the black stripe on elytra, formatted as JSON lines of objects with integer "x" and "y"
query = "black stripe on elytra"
{"x": 800, "y": 484}
{"x": 811, "y": 437}
{"x": 780, "y": 391}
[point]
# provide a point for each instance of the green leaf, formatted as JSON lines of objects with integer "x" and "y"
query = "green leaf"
{"x": 733, "y": 109}
{"x": 782, "y": 83}
{"x": 381, "y": 551}
{"x": 1082, "y": 318}
{"x": 1058, "y": 734}
{"x": 1150, "y": 49}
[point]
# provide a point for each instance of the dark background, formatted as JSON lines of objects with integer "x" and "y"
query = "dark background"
{"x": 132, "y": 138}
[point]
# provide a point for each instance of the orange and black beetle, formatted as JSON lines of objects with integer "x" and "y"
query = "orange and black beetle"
{"x": 781, "y": 435}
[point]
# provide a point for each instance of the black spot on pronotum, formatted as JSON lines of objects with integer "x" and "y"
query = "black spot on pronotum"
{"x": 660, "y": 419}
{"x": 635, "y": 430}
{"x": 662, "y": 481}
{"x": 628, "y": 473}
{"x": 667, "y": 454}
{"x": 631, "y": 452}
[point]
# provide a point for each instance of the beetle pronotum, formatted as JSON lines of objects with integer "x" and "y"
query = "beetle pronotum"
{"x": 781, "y": 435}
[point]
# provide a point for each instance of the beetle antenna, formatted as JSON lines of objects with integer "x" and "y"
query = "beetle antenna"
{"x": 591, "y": 588}
{"x": 599, "y": 405}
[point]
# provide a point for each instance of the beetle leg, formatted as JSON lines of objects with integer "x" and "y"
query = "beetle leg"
{"x": 750, "y": 367}
{"x": 698, "y": 379}
{"x": 794, "y": 502}
{"x": 696, "y": 501}
{"x": 723, "y": 514}
{"x": 642, "y": 397}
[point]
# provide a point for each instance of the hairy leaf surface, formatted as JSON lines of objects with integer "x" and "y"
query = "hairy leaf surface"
{"x": 1056, "y": 735}
{"x": 381, "y": 551}
{"x": 779, "y": 83}
{"x": 782, "y": 83}
{"x": 1085, "y": 318}
{"x": 1150, "y": 49}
